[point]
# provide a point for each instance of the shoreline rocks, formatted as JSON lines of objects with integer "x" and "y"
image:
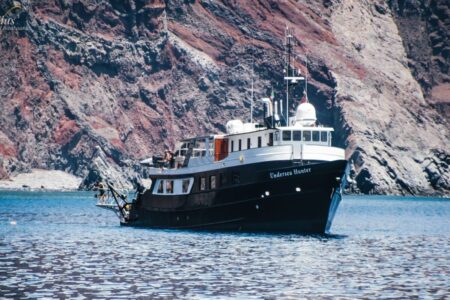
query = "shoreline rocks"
{"x": 42, "y": 180}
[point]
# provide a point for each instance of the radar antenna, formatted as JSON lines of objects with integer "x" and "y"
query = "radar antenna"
{"x": 252, "y": 92}
{"x": 289, "y": 78}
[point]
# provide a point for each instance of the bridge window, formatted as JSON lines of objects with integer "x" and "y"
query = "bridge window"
{"x": 297, "y": 135}
{"x": 316, "y": 136}
{"x": 240, "y": 145}
{"x": 323, "y": 136}
{"x": 306, "y": 136}
{"x": 277, "y": 136}
{"x": 287, "y": 135}
{"x": 259, "y": 142}
{"x": 232, "y": 146}
{"x": 249, "y": 143}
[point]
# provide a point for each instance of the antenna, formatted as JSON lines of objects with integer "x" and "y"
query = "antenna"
{"x": 272, "y": 97}
{"x": 306, "y": 78}
{"x": 251, "y": 101}
{"x": 289, "y": 39}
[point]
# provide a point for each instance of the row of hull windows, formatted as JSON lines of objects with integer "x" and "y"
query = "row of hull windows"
{"x": 216, "y": 181}
{"x": 184, "y": 186}
{"x": 173, "y": 186}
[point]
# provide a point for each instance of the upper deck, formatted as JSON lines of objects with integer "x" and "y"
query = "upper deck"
{"x": 253, "y": 146}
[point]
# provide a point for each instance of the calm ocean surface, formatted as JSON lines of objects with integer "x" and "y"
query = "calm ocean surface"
{"x": 59, "y": 245}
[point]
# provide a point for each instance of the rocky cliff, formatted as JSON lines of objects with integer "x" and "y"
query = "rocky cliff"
{"x": 89, "y": 86}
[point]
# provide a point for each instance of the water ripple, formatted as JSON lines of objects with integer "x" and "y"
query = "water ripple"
{"x": 77, "y": 251}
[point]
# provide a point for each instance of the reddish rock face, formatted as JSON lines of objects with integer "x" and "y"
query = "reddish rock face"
{"x": 425, "y": 30}
{"x": 65, "y": 130}
{"x": 91, "y": 85}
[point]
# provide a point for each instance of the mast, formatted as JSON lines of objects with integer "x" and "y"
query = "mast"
{"x": 306, "y": 78}
{"x": 288, "y": 37}
{"x": 289, "y": 78}
{"x": 251, "y": 101}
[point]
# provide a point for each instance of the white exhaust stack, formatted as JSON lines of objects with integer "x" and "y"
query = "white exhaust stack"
{"x": 268, "y": 107}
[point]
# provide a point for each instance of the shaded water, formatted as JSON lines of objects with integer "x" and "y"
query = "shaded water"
{"x": 63, "y": 246}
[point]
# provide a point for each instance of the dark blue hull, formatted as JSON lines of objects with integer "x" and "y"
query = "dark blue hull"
{"x": 280, "y": 196}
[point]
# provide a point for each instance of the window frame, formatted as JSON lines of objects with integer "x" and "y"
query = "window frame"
{"x": 296, "y": 138}
{"x": 284, "y": 137}
{"x": 235, "y": 177}
{"x": 223, "y": 179}
{"x": 162, "y": 186}
{"x": 212, "y": 179}
{"x": 169, "y": 186}
{"x": 202, "y": 184}
{"x": 183, "y": 181}
{"x": 316, "y": 136}
{"x": 307, "y": 133}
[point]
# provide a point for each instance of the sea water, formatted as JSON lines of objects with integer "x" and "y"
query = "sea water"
{"x": 59, "y": 245}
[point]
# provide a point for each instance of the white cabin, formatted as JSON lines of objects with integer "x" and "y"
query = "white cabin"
{"x": 247, "y": 143}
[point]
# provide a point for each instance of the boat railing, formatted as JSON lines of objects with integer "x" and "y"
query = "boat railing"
{"x": 114, "y": 199}
{"x": 106, "y": 201}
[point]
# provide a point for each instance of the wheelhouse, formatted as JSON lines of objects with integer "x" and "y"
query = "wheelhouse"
{"x": 306, "y": 135}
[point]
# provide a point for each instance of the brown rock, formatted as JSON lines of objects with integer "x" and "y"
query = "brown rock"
{"x": 121, "y": 79}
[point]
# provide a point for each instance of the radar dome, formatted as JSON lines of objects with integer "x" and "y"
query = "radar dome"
{"x": 305, "y": 115}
